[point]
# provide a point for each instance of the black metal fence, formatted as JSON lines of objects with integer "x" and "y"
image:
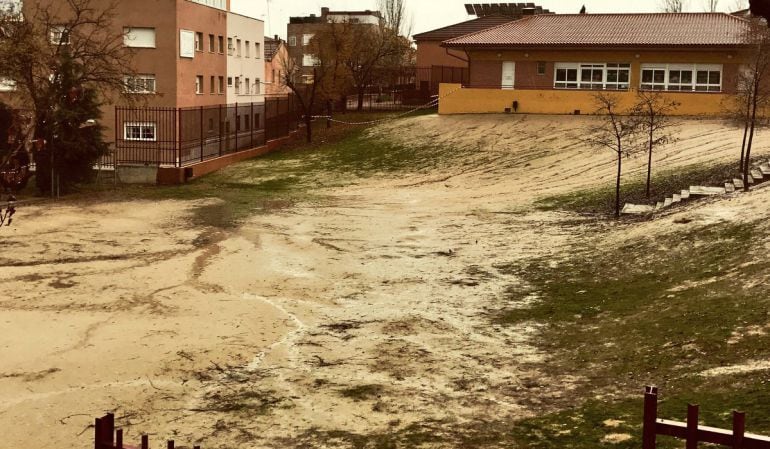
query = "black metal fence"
{"x": 184, "y": 136}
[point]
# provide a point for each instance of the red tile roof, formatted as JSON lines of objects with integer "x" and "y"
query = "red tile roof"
{"x": 464, "y": 28}
{"x": 612, "y": 30}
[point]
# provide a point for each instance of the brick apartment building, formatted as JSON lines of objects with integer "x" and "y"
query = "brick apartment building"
{"x": 189, "y": 53}
{"x": 300, "y": 32}
{"x": 276, "y": 52}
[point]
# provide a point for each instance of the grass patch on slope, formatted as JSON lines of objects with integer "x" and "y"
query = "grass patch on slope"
{"x": 337, "y": 157}
{"x": 649, "y": 312}
{"x": 601, "y": 200}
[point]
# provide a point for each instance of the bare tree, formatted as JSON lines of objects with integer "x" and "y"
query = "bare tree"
{"x": 614, "y": 131}
{"x": 653, "y": 112}
{"x": 711, "y": 5}
{"x": 64, "y": 51}
{"x": 753, "y": 94}
{"x": 673, "y": 5}
{"x": 396, "y": 16}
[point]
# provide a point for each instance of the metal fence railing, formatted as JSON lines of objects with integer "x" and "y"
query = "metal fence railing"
{"x": 183, "y": 136}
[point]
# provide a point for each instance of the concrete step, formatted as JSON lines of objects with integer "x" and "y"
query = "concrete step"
{"x": 706, "y": 191}
{"x": 685, "y": 194}
{"x": 738, "y": 183}
{"x": 765, "y": 169}
{"x": 637, "y": 209}
{"x": 757, "y": 174}
{"x": 676, "y": 198}
{"x": 729, "y": 187}
{"x": 659, "y": 205}
{"x": 667, "y": 202}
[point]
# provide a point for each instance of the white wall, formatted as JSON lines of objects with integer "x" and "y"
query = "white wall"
{"x": 251, "y": 67}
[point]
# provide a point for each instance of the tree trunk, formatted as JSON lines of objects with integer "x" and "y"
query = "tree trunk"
{"x": 649, "y": 165}
{"x": 309, "y": 127}
{"x": 743, "y": 146}
{"x": 617, "y": 184}
{"x": 361, "y": 92}
{"x": 747, "y": 159}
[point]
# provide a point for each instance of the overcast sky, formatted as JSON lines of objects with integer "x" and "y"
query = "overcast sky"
{"x": 432, "y": 14}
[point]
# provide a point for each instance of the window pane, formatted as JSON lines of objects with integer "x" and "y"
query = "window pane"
{"x": 572, "y": 75}
{"x": 612, "y": 76}
{"x": 687, "y": 77}
{"x": 561, "y": 75}
{"x": 703, "y": 77}
{"x": 646, "y": 76}
{"x": 659, "y": 76}
{"x": 714, "y": 77}
{"x": 623, "y": 76}
{"x": 585, "y": 75}
{"x": 673, "y": 76}
{"x": 597, "y": 76}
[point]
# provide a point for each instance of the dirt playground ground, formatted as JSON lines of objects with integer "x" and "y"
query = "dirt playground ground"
{"x": 317, "y": 324}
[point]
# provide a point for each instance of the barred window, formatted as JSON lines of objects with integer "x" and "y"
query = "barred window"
{"x": 140, "y": 84}
{"x": 140, "y": 131}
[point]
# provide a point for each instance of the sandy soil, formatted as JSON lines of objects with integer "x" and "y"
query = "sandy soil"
{"x": 362, "y": 316}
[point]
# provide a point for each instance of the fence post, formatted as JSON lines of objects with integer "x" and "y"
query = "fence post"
{"x": 170, "y": 444}
{"x": 649, "y": 434}
{"x": 119, "y": 439}
{"x": 739, "y": 429}
{"x": 201, "y": 133}
{"x": 179, "y": 136}
{"x": 251, "y": 120}
{"x": 237, "y": 125}
{"x": 115, "y": 158}
{"x": 221, "y": 128}
{"x": 145, "y": 442}
{"x": 692, "y": 426}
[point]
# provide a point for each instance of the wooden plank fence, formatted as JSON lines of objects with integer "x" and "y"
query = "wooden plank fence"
{"x": 107, "y": 437}
{"x": 692, "y": 432}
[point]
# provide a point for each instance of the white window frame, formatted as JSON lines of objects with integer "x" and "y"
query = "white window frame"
{"x": 292, "y": 41}
{"x": 139, "y": 84}
{"x": 186, "y": 44}
{"x": 693, "y": 86}
{"x": 247, "y": 47}
{"x": 143, "y": 127}
{"x": 309, "y": 60}
{"x": 306, "y": 38}
{"x": 7, "y": 85}
{"x": 247, "y": 84}
{"x": 128, "y": 42}
{"x": 199, "y": 80}
{"x": 257, "y": 86}
{"x": 58, "y": 35}
{"x": 604, "y": 70}
{"x": 257, "y": 50}
{"x": 230, "y": 47}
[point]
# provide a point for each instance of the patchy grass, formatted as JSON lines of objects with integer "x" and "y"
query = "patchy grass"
{"x": 285, "y": 178}
{"x": 654, "y": 311}
{"x": 362, "y": 392}
{"x": 665, "y": 183}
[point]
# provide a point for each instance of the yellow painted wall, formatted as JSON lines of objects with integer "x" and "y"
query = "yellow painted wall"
{"x": 456, "y": 100}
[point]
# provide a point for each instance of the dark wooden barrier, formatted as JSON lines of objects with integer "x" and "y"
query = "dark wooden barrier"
{"x": 107, "y": 437}
{"x": 692, "y": 432}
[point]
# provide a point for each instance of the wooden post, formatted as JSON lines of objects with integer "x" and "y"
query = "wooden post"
{"x": 692, "y": 426}
{"x": 98, "y": 433}
{"x": 170, "y": 444}
{"x": 739, "y": 429}
{"x": 119, "y": 439}
{"x": 145, "y": 442}
{"x": 650, "y": 417}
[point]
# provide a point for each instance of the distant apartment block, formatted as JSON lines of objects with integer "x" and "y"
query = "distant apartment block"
{"x": 301, "y": 30}
{"x": 188, "y": 53}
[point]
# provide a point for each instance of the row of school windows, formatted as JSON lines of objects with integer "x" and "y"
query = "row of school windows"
{"x": 616, "y": 76}
{"x": 146, "y": 84}
{"x": 148, "y": 131}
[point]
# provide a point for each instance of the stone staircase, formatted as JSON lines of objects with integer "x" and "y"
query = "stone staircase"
{"x": 757, "y": 175}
